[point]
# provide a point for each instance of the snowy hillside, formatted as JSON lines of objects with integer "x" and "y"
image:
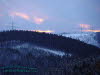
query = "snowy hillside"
{"x": 89, "y": 38}
{"x": 45, "y": 52}
{"x": 25, "y": 48}
{"x": 48, "y": 43}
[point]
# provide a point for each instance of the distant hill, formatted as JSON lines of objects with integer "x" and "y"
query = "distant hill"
{"x": 51, "y": 41}
{"x": 87, "y": 37}
{"x": 51, "y": 54}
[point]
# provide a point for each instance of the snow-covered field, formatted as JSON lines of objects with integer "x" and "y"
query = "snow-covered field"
{"x": 87, "y": 37}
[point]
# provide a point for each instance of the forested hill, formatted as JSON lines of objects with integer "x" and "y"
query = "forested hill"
{"x": 51, "y": 41}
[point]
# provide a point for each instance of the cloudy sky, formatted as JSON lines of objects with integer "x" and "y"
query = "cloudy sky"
{"x": 54, "y": 15}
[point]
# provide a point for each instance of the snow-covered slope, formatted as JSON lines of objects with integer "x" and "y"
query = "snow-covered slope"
{"x": 37, "y": 50}
{"x": 25, "y": 48}
{"x": 16, "y": 51}
{"x": 89, "y": 38}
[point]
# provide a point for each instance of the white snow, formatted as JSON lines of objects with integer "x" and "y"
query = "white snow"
{"x": 51, "y": 51}
{"x": 23, "y": 49}
{"x": 88, "y": 38}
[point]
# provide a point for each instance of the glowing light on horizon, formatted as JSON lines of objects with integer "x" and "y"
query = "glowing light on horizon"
{"x": 22, "y": 15}
{"x": 91, "y": 30}
{"x": 85, "y": 26}
{"x": 43, "y": 31}
{"x": 38, "y": 20}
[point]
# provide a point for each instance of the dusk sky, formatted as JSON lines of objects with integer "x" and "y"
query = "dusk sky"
{"x": 54, "y": 15}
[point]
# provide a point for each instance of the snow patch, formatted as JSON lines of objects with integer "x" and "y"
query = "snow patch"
{"x": 23, "y": 49}
{"x": 88, "y": 38}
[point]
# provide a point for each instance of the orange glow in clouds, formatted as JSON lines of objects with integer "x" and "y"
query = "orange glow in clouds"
{"x": 45, "y": 31}
{"x": 91, "y": 30}
{"x": 85, "y": 26}
{"x": 38, "y": 20}
{"x": 33, "y": 18}
{"x": 22, "y": 15}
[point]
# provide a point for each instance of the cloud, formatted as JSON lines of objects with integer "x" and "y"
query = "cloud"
{"x": 86, "y": 26}
{"x": 38, "y": 20}
{"x": 91, "y": 30}
{"x": 22, "y": 15}
{"x": 33, "y": 18}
